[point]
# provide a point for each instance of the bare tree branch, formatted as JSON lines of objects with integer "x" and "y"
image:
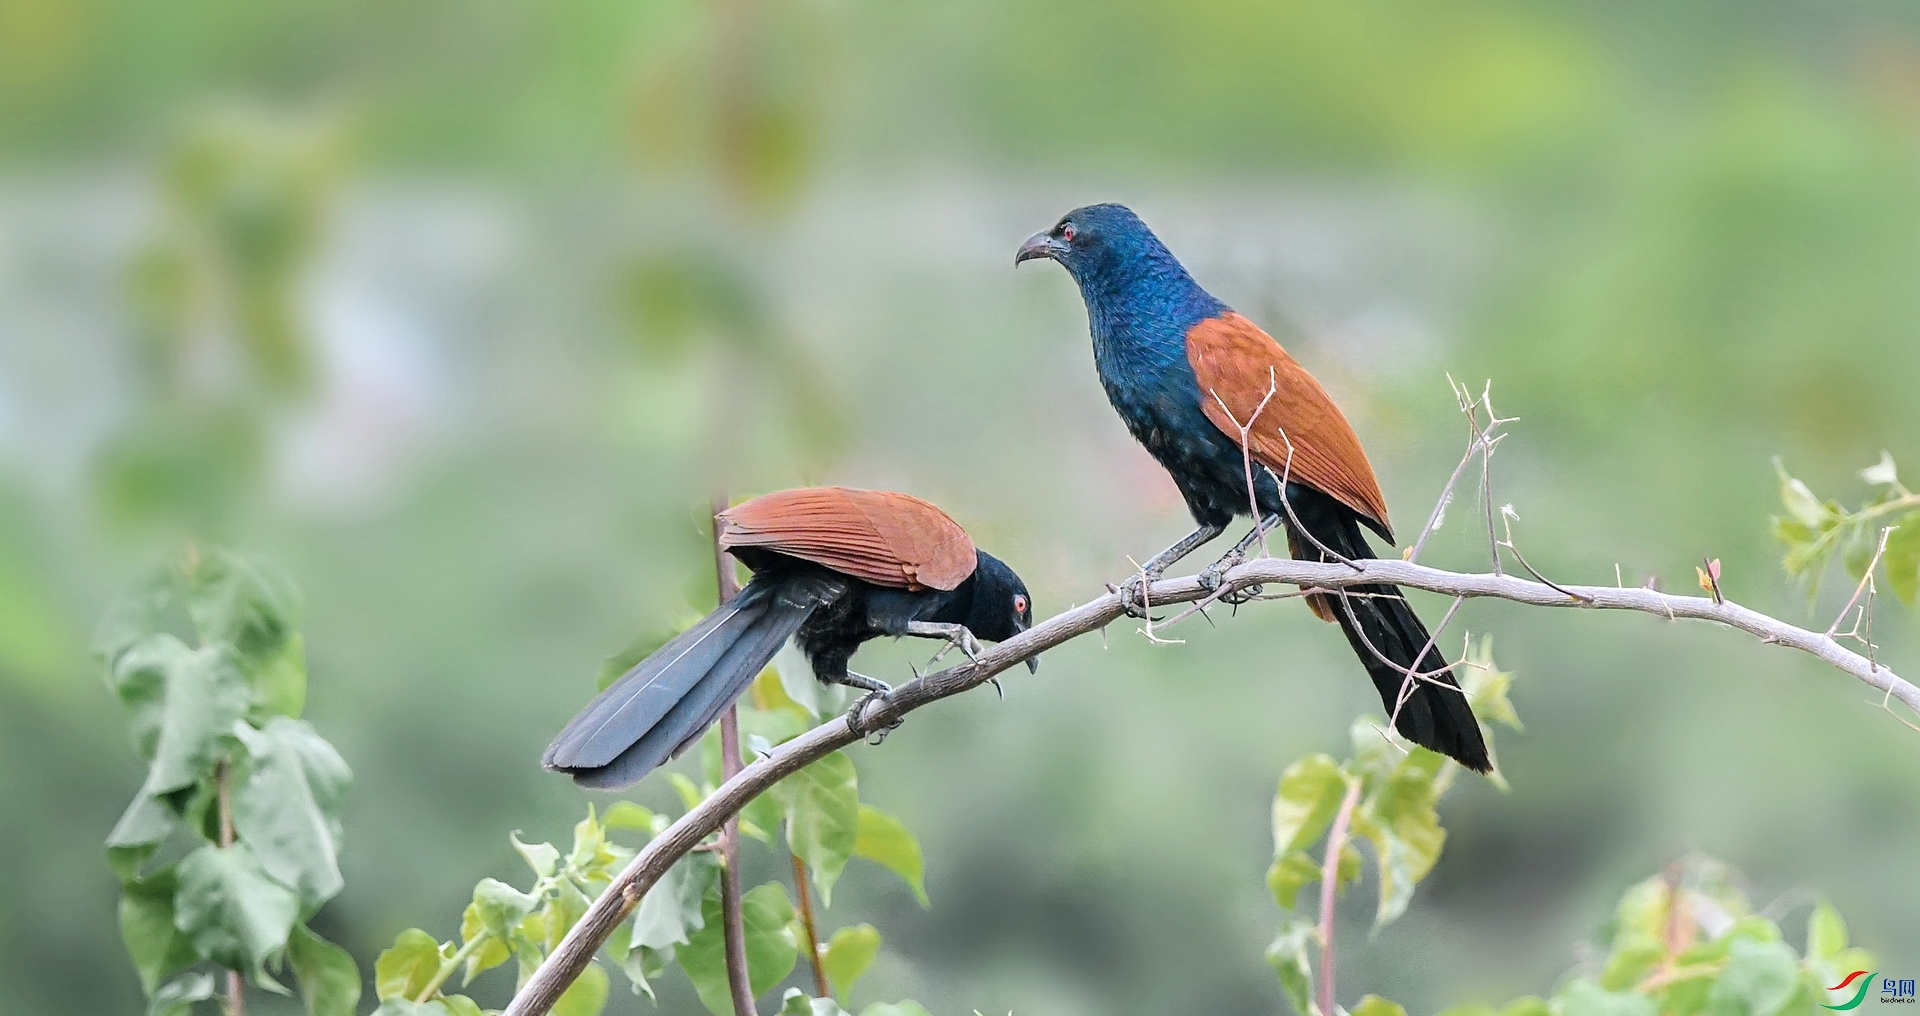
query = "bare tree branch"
{"x": 578, "y": 948}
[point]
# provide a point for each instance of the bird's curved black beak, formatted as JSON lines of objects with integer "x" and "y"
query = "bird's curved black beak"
{"x": 1033, "y": 664}
{"x": 1040, "y": 245}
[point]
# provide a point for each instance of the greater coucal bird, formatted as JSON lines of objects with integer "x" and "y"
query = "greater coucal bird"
{"x": 833, "y": 567}
{"x": 1186, "y": 373}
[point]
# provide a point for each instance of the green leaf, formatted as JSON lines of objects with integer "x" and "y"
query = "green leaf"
{"x": 587, "y": 995}
{"x": 591, "y": 854}
{"x": 177, "y": 998}
{"x": 627, "y": 815}
{"x": 1639, "y": 934}
{"x": 772, "y": 949}
{"x": 1798, "y": 500}
{"x": 292, "y": 793}
{"x": 1826, "y": 932}
{"x": 280, "y": 681}
{"x": 1882, "y": 473}
{"x": 460, "y": 1005}
{"x": 1487, "y": 686}
{"x": 1527, "y": 1005}
{"x": 184, "y": 704}
{"x": 146, "y": 824}
{"x": 690, "y": 795}
{"x": 639, "y": 963}
{"x": 1374, "y": 1005}
{"x": 1400, "y": 818}
{"x": 243, "y": 601}
{"x": 138, "y": 611}
{"x": 1582, "y": 997}
{"x": 405, "y": 969}
{"x": 328, "y": 979}
{"x": 1303, "y": 808}
{"x": 796, "y": 1003}
{"x": 1902, "y": 559}
{"x": 848, "y": 954}
{"x": 673, "y": 909}
{"x": 1759, "y": 979}
{"x": 499, "y": 907}
{"x": 158, "y": 948}
{"x": 563, "y": 911}
{"x": 887, "y": 841}
{"x": 895, "y": 1009}
{"x": 236, "y": 915}
{"x": 1288, "y": 955}
{"x": 823, "y": 817}
{"x": 642, "y": 965}
{"x": 1289, "y": 874}
{"x": 491, "y": 953}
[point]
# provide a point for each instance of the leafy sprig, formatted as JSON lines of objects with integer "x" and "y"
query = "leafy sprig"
{"x": 1817, "y": 531}
{"x": 242, "y": 798}
{"x": 816, "y": 814}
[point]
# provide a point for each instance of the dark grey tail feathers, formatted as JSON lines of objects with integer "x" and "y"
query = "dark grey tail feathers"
{"x": 1395, "y": 648}
{"x": 661, "y": 706}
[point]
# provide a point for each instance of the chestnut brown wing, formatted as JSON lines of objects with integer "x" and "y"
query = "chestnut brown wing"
{"x": 878, "y": 536}
{"x": 1237, "y": 364}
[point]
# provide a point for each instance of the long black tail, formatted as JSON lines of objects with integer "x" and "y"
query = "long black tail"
{"x": 654, "y": 711}
{"x": 1380, "y": 623}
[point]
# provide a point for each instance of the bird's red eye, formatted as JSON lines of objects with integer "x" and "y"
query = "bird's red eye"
{"x": 1019, "y": 604}
{"x": 1066, "y": 232}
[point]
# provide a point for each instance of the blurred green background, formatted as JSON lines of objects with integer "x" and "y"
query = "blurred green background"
{"x": 459, "y": 311}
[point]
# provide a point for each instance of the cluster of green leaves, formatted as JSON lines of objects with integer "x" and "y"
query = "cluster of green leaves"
{"x": 233, "y": 840}
{"x": 816, "y": 814}
{"x": 1817, "y": 531}
{"x": 1684, "y": 943}
{"x": 1687, "y": 943}
{"x": 1395, "y": 809}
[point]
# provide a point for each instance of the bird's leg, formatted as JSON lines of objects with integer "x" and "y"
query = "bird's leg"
{"x": 860, "y": 681}
{"x": 1211, "y": 575}
{"x": 857, "y": 716}
{"x": 957, "y": 636}
{"x": 1134, "y": 590}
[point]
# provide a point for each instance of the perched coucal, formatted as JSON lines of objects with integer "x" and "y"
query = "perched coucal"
{"x": 1186, "y": 373}
{"x": 833, "y": 567}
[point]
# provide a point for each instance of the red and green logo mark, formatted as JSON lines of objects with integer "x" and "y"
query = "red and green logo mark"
{"x": 1866, "y": 981}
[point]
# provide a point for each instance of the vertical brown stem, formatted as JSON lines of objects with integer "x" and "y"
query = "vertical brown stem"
{"x": 236, "y": 987}
{"x": 1330, "y": 891}
{"x": 739, "y": 983}
{"x": 822, "y": 989}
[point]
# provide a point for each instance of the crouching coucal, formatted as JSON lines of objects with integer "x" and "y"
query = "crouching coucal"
{"x": 833, "y": 567}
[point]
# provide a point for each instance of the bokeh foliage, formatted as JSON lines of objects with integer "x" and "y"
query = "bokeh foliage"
{"x": 1679, "y": 238}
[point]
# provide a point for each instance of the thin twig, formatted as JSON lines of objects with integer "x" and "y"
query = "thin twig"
{"x": 1246, "y": 454}
{"x": 1408, "y": 683}
{"x": 236, "y": 985}
{"x": 1507, "y": 517}
{"x": 1330, "y": 890}
{"x": 821, "y": 987}
{"x": 1866, "y": 578}
{"x": 732, "y": 918}
{"x": 577, "y": 949}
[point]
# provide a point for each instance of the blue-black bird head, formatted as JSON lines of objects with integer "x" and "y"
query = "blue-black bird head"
{"x": 1106, "y": 248}
{"x": 1001, "y": 606}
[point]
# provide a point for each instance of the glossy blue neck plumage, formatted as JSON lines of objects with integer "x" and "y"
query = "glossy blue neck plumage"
{"x": 1140, "y": 299}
